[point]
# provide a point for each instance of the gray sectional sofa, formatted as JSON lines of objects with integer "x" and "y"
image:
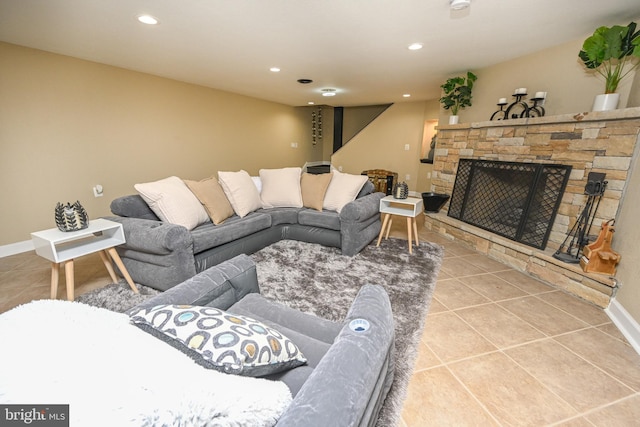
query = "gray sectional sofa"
{"x": 349, "y": 371}
{"x": 161, "y": 255}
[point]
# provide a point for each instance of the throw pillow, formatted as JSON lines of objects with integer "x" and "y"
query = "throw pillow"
{"x": 281, "y": 188}
{"x": 314, "y": 188}
{"x": 212, "y": 197}
{"x": 172, "y": 201}
{"x": 221, "y": 341}
{"x": 343, "y": 189}
{"x": 257, "y": 182}
{"x": 241, "y": 192}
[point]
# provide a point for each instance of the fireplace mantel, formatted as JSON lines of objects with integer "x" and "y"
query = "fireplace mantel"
{"x": 589, "y": 116}
{"x": 590, "y": 142}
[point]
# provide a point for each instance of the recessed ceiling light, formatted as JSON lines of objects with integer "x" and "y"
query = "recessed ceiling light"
{"x": 328, "y": 92}
{"x": 305, "y": 81}
{"x": 459, "y": 4}
{"x": 415, "y": 46}
{"x": 147, "y": 19}
{"x": 407, "y": 95}
{"x": 274, "y": 69}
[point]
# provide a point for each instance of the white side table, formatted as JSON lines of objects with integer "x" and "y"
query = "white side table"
{"x": 410, "y": 207}
{"x": 62, "y": 247}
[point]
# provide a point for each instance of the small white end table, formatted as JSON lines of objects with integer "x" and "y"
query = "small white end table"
{"x": 410, "y": 207}
{"x": 63, "y": 247}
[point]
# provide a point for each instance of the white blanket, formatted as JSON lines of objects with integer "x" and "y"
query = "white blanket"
{"x": 113, "y": 374}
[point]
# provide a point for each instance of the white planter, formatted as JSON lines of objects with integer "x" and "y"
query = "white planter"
{"x": 606, "y": 102}
{"x": 453, "y": 120}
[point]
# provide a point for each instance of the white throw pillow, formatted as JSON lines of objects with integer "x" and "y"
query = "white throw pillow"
{"x": 173, "y": 202}
{"x": 241, "y": 192}
{"x": 257, "y": 182}
{"x": 281, "y": 188}
{"x": 343, "y": 189}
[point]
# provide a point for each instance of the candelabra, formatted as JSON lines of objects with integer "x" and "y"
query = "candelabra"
{"x": 519, "y": 108}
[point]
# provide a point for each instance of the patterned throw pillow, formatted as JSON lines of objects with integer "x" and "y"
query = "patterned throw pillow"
{"x": 222, "y": 341}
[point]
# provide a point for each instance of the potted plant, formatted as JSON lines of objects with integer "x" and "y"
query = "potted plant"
{"x": 612, "y": 52}
{"x": 457, "y": 94}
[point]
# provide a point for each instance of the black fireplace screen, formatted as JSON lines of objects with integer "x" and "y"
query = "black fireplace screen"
{"x": 518, "y": 201}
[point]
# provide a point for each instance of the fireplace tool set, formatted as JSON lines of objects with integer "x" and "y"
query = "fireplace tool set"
{"x": 578, "y": 236}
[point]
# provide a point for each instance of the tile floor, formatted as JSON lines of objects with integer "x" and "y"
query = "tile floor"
{"x": 499, "y": 348}
{"x": 503, "y": 349}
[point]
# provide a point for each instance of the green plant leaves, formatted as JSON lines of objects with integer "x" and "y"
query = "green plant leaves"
{"x": 457, "y": 92}
{"x": 609, "y": 50}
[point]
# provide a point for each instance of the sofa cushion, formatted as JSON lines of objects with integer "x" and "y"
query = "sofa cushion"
{"x": 173, "y": 202}
{"x": 281, "y": 188}
{"x": 343, "y": 189}
{"x": 314, "y": 187}
{"x": 132, "y": 206}
{"x": 215, "y": 339}
{"x": 281, "y": 215}
{"x": 241, "y": 192}
{"x": 324, "y": 219}
{"x": 209, "y": 236}
{"x": 212, "y": 197}
{"x": 367, "y": 188}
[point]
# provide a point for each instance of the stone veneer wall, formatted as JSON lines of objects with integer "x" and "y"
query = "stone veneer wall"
{"x": 596, "y": 141}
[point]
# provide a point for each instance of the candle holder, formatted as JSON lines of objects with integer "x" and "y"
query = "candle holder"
{"x": 501, "y": 113}
{"x": 519, "y": 108}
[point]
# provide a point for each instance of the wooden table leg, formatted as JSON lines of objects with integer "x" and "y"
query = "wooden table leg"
{"x": 107, "y": 263}
{"x": 116, "y": 258}
{"x": 409, "y": 232}
{"x": 68, "y": 273}
{"x": 384, "y": 224}
{"x": 415, "y": 231}
{"x": 55, "y": 277}
{"x": 386, "y": 236}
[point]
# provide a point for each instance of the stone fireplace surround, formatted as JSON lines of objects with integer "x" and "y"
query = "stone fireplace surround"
{"x": 590, "y": 142}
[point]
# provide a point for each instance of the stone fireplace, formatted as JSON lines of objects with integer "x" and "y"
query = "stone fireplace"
{"x": 603, "y": 142}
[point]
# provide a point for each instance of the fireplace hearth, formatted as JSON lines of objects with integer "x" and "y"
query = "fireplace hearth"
{"x": 518, "y": 201}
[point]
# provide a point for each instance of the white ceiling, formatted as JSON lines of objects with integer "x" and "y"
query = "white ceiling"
{"x": 358, "y": 47}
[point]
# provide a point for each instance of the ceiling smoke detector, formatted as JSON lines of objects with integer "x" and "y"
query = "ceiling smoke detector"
{"x": 459, "y": 4}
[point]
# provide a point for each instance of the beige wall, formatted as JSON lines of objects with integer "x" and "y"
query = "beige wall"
{"x": 354, "y": 119}
{"x": 625, "y": 241}
{"x": 68, "y": 124}
{"x": 557, "y": 71}
{"x": 381, "y": 145}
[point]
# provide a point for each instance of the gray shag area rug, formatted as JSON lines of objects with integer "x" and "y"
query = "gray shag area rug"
{"x": 320, "y": 280}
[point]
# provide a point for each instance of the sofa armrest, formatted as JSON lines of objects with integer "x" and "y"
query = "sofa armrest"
{"x": 362, "y": 209}
{"x": 151, "y": 236}
{"x": 360, "y": 223}
{"x": 220, "y": 286}
{"x": 350, "y": 383}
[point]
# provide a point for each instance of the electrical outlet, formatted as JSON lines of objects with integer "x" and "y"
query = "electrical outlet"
{"x": 407, "y": 177}
{"x": 406, "y": 147}
{"x": 98, "y": 191}
{"x": 339, "y": 168}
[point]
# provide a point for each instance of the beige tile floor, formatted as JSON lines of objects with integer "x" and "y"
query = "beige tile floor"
{"x": 499, "y": 348}
{"x": 503, "y": 349}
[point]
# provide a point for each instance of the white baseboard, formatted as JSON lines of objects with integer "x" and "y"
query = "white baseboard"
{"x": 16, "y": 248}
{"x": 627, "y": 324}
